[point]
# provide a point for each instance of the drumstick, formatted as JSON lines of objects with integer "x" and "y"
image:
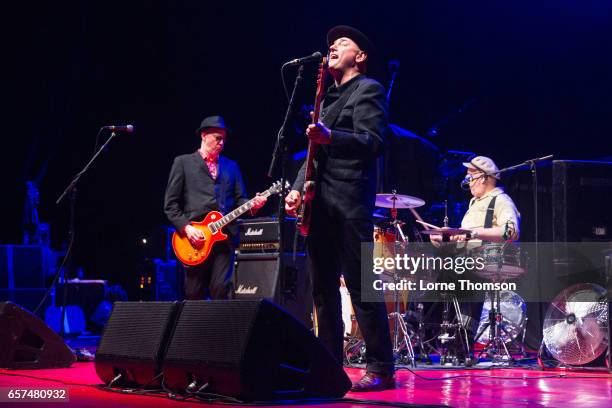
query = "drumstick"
{"x": 427, "y": 224}
{"x": 416, "y": 215}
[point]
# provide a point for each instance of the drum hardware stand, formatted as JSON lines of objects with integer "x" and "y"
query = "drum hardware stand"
{"x": 495, "y": 343}
{"x": 400, "y": 325}
{"x": 420, "y": 335}
{"x": 445, "y": 216}
{"x": 459, "y": 328}
{"x": 354, "y": 350}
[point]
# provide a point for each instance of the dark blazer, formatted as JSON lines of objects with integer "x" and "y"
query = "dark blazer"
{"x": 192, "y": 193}
{"x": 356, "y": 113}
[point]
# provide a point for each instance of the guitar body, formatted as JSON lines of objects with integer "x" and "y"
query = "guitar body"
{"x": 190, "y": 255}
{"x": 212, "y": 227}
{"x": 305, "y": 212}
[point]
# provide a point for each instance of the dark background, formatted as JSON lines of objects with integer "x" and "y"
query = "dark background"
{"x": 534, "y": 80}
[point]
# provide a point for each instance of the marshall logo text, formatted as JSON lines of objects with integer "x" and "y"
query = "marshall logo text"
{"x": 250, "y": 232}
{"x": 248, "y": 290}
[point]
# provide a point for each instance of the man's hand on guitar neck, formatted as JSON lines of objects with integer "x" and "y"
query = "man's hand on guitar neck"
{"x": 194, "y": 235}
{"x": 292, "y": 202}
{"x": 258, "y": 202}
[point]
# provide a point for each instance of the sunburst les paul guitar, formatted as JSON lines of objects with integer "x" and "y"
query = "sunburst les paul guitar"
{"x": 212, "y": 227}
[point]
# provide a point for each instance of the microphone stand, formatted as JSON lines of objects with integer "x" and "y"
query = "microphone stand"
{"x": 280, "y": 154}
{"x": 72, "y": 229}
{"x": 532, "y": 164}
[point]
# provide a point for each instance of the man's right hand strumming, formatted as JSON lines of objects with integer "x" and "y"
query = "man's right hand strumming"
{"x": 194, "y": 235}
{"x": 292, "y": 202}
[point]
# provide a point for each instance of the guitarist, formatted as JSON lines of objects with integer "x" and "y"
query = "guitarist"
{"x": 201, "y": 182}
{"x": 350, "y": 133}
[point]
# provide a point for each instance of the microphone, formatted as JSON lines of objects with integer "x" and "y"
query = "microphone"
{"x": 316, "y": 56}
{"x": 126, "y": 128}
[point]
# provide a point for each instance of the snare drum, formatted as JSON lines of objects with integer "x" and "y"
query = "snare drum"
{"x": 501, "y": 261}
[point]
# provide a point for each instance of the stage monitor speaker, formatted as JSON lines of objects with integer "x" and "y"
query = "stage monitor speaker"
{"x": 28, "y": 343}
{"x": 251, "y": 350}
{"x": 134, "y": 340}
{"x": 258, "y": 276}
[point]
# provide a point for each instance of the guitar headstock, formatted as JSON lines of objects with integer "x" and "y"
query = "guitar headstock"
{"x": 277, "y": 188}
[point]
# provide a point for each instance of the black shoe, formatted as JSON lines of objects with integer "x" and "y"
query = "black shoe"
{"x": 374, "y": 382}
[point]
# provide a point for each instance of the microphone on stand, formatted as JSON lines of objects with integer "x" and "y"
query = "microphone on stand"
{"x": 114, "y": 128}
{"x": 314, "y": 57}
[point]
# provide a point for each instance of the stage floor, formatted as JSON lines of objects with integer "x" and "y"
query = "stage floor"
{"x": 493, "y": 387}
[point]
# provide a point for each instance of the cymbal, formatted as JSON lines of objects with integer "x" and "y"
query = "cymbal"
{"x": 446, "y": 231}
{"x": 401, "y": 201}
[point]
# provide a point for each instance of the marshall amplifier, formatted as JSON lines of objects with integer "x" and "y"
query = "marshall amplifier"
{"x": 258, "y": 276}
{"x": 262, "y": 235}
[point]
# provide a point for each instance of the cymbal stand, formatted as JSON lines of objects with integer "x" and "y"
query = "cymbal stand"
{"x": 400, "y": 327}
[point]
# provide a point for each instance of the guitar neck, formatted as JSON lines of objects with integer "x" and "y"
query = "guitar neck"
{"x": 229, "y": 217}
{"x": 312, "y": 147}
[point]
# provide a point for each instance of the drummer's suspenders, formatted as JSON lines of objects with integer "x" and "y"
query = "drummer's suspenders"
{"x": 489, "y": 217}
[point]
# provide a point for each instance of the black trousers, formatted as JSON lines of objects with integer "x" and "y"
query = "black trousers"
{"x": 334, "y": 248}
{"x": 212, "y": 279}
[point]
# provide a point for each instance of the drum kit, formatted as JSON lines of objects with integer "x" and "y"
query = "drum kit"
{"x": 503, "y": 315}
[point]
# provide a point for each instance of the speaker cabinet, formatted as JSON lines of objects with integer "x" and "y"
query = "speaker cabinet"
{"x": 258, "y": 276}
{"x": 251, "y": 350}
{"x": 26, "y": 342}
{"x": 133, "y": 343}
{"x": 23, "y": 266}
{"x": 582, "y": 199}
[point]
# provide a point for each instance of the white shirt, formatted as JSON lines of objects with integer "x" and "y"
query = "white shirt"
{"x": 504, "y": 211}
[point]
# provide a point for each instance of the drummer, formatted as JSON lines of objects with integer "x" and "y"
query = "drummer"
{"x": 492, "y": 215}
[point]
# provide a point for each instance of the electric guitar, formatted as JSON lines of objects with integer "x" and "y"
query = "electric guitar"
{"x": 304, "y": 212}
{"x": 212, "y": 226}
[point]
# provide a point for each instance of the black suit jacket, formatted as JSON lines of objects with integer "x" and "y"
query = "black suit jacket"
{"x": 356, "y": 113}
{"x": 192, "y": 193}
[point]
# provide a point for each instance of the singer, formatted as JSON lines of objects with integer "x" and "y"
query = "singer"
{"x": 201, "y": 182}
{"x": 351, "y": 132}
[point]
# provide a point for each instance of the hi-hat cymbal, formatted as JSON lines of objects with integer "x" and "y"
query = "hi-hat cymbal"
{"x": 446, "y": 231}
{"x": 400, "y": 200}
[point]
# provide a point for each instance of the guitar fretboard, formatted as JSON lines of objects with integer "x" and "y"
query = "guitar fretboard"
{"x": 229, "y": 217}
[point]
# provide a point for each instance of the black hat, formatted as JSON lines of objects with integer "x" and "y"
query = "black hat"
{"x": 347, "y": 31}
{"x": 215, "y": 121}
